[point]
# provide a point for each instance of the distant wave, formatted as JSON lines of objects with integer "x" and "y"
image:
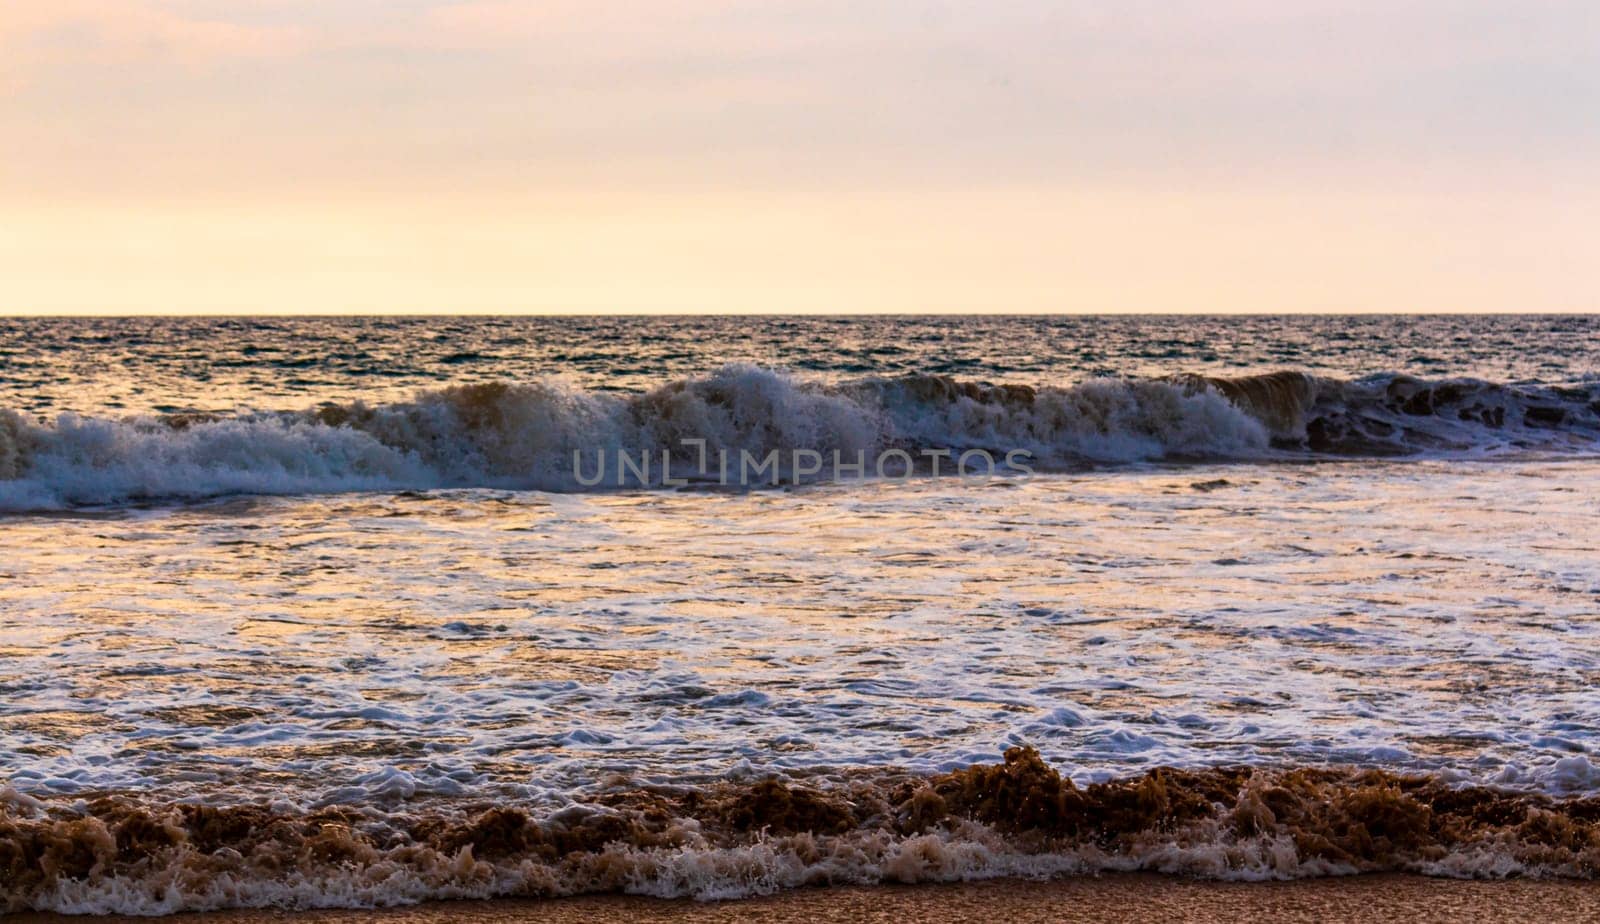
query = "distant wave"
{"x": 525, "y": 435}
{"x": 126, "y": 854}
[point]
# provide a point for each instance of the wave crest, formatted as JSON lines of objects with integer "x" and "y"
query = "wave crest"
{"x": 524, "y": 435}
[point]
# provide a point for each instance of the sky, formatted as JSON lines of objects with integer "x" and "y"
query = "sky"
{"x": 594, "y": 156}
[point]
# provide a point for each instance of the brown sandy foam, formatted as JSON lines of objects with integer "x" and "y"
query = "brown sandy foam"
{"x": 1133, "y": 898}
{"x": 1018, "y": 818}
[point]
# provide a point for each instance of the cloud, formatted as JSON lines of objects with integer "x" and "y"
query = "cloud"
{"x": 496, "y": 22}
{"x": 783, "y": 92}
{"x": 42, "y": 33}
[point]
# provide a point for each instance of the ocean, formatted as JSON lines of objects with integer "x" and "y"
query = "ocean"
{"x": 346, "y": 612}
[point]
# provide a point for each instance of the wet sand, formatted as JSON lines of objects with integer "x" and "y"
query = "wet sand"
{"x": 1131, "y": 898}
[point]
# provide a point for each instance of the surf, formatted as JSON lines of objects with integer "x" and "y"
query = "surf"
{"x": 528, "y": 435}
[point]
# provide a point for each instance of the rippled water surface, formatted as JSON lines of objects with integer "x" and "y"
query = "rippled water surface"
{"x": 1412, "y": 614}
{"x": 140, "y": 365}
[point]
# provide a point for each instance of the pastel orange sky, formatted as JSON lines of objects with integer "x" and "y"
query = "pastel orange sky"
{"x": 324, "y": 156}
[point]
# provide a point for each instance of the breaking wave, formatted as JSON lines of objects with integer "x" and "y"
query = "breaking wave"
{"x": 123, "y": 854}
{"x": 526, "y": 435}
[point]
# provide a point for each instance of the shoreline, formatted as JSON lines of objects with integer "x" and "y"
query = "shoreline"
{"x": 1130, "y": 897}
{"x": 731, "y": 839}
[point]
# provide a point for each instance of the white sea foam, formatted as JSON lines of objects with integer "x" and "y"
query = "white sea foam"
{"x": 1430, "y": 616}
{"x": 533, "y": 435}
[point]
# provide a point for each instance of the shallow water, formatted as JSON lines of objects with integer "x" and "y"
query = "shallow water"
{"x": 1409, "y": 615}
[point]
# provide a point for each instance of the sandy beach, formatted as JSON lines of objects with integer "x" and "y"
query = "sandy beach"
{"x": 1131, "y": 898}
